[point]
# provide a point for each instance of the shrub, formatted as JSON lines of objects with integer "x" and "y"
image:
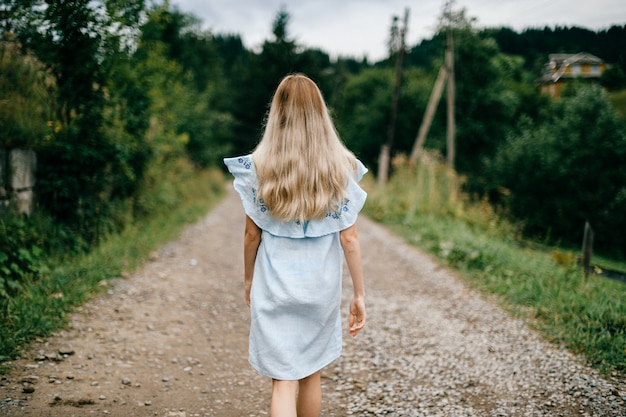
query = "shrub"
{"x": 568, "y": 171}
{"x": 21, "y": 254}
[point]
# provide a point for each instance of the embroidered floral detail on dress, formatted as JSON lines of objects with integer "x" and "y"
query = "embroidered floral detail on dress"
{"x": 246, "y": 161}
{"x": 342, "y": 208}
{"x": 260, "y": 203}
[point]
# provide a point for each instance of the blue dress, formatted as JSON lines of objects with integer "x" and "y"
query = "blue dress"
{"x": 295, "y": 326}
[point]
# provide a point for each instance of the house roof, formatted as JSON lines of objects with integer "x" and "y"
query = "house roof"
{"x": 559, "y": 63}
{"x": 581, "y": 58}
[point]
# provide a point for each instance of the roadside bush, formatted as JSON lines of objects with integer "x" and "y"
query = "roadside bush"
{"x": 568, "y": 171}
{"x": 22, "y": 252}
{"x": 163, "y": 187}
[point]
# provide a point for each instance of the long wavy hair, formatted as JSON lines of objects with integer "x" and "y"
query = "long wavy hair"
{"x": 302, "y": 165}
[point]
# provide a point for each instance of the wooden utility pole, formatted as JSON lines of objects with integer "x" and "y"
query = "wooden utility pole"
{"x": 451, "y": 122}
{"x": 435, "y": 96}
{"x": 587, "y": 250}
{"x": 446, "y": 72}
{"x": 385, "y": 151}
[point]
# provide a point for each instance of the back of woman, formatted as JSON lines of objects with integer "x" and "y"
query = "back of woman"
{"x": 300, "y": 193}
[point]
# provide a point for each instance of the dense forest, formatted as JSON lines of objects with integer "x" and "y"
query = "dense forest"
{"x": 113, "y": 94}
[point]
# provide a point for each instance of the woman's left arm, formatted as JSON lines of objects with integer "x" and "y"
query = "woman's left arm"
{"x": 251, "y": 242}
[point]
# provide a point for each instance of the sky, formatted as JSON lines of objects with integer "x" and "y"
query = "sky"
{"x": 360, "y": 28}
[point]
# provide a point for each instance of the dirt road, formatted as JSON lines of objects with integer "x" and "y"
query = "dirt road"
{"x": 171, "y": 340}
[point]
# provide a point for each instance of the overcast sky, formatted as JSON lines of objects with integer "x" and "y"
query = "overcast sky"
{"x": 360, "y": 28}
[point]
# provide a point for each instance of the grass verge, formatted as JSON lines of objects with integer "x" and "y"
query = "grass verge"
{"x": 43, "y": 306}
{"x": 618, "y": 99}
{"x": 587, "y": 315}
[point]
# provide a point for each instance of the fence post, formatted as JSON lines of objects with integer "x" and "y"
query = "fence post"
{"x": 17, "y": 179}
{"x": 587, "y": 249}
{"x": 383, "y": 165}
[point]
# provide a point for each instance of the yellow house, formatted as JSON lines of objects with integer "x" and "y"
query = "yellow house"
{"x": 564, "y": 67}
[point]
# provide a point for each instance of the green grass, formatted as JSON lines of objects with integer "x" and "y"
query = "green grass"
{"x": 43, "y": 307}
{"x": 585, "y": 314}
{"x": 606, "y": 263}
{"x": 618, "y": 99}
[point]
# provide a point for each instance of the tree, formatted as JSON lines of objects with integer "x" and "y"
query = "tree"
{"x": 569, "y": 170}
{"x": 534, "y": 44}
{"x": 79, "y": 42}
{"x": 363, "y": 113}
{"x": 613, "y": 78}
{"x": 279, "y": 57}
{"x": 196, "y": 88}
{"x": 27, "y": 106}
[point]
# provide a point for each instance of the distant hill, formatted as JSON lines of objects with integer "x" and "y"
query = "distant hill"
{"x": 534, "y": 44}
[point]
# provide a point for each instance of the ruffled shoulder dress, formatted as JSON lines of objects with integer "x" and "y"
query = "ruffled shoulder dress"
{"x": 295, "y": 326}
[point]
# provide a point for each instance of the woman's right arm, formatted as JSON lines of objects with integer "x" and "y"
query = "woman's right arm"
{"x": 251, "y": 242}
{"x": 352, "y": 251}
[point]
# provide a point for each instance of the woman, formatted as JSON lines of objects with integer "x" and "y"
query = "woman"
{"x": 301, "y": 198}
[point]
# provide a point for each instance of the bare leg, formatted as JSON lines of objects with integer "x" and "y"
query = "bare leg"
{"x": 284, "y": 398}
{"x": 310, "y": 396}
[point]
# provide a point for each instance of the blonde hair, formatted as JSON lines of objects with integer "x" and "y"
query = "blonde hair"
{"x": 302, "y": 165}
